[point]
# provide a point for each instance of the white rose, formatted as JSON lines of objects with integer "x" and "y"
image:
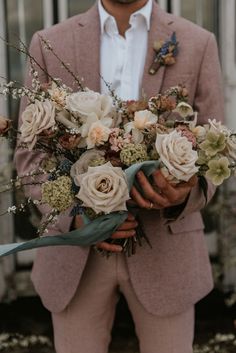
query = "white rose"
{"x": 98, "y": 134}
{"x": 36, "y": 118}
{"x": 103, "y": 188}
{"x": 64, "y": 118}
{"x": 85, "y": 103}
{"x": 81, "y": 166}
{"x": 177, "y": 155}
{"x": 142, "y": 119}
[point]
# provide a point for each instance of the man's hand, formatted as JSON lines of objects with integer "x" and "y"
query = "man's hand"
{"x": 161, "y": 194}
{"x": 126, "y": 230}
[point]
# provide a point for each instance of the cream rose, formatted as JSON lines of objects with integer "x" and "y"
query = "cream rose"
{"x": 86, "y": 103}
{"x": 177, "y": 155}
{"x": 142, "y": 120}
{"x": 98, "y": 134}
{"x": 81, "y": 166}
{"x": 36, "y": 118}
{"x": 103, "y": 188}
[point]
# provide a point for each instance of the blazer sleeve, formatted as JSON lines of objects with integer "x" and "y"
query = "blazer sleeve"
{"x": 29, "y": 161}
{"x": 208, "y": 100}
{"x": 209, "y": 104}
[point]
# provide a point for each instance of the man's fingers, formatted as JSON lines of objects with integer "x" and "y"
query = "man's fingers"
{"x": 150, "y": 193}
{"x": 78, "y": 222}
{"x": 138, "y": 198}
{"x": 130, "y": 217}
{"x": 164, "y": 187}
{"x": 109, "y": 247}
{"x": 151, "y": 197}
{"x": 128, "y": 225}
{"x": 193, "y": 181}
{"x": 123, "y": 234}
{"x": 147, "y": 189}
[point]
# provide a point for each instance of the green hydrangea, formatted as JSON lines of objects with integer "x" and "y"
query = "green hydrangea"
{"x": 58, "y": 193}
{"x": 214, "y": 142}
{"x": 218, "y": 170}
{"x": 133, "y": 153}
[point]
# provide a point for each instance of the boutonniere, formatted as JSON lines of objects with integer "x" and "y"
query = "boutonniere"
{"x": 165, "y": 53}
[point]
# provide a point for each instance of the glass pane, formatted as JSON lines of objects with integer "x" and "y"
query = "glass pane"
{"x": 209, "y": 14}
{"x": 189, "y": 9}
{"x": 22, "y": 20}
{"x": 202, "y": 12}
{"x": 76, "y": 6}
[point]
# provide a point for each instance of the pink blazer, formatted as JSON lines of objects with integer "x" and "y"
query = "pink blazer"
{"x": 176, "y": 272}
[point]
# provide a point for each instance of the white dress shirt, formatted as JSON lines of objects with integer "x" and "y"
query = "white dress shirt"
{"x": 122, "y": 59}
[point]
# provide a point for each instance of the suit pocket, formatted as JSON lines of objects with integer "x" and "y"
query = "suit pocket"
{"x": 189, "y": 223}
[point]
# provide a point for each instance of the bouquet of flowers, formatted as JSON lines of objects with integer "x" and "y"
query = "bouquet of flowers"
{"x": 93, "y": 144}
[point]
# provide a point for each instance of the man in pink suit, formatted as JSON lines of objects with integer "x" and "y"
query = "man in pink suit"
{"x": 162, "y": 284}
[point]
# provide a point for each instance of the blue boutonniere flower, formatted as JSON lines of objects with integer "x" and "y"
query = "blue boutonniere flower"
{"x": 165, "y": 53}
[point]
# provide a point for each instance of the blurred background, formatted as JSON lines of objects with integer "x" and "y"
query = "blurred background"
{"x": 20, "y": 19}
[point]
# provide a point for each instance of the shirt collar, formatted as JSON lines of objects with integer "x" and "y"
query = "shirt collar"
{"x": 145, "y": 12}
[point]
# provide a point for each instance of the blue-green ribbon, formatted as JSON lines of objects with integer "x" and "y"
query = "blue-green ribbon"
{"x": 96, "y": 231}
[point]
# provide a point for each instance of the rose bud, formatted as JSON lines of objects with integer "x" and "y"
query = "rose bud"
{"x": 4, "y": 125}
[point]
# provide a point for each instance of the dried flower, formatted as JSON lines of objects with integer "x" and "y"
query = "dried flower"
{"x": 183, "y": 129}
{"x": 4, "y": 125}
{"x": 165, "y": 53}
{"x": 69, "y": 142}
{"x": 48, "y": 164}
{"x": 184, "y": 109}
{"x": 57, "y": 193}
{"x": 118, "y": 139}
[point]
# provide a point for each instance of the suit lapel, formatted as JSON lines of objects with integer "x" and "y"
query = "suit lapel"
{"x": 159, "y": 30}
{"x": 87, "y": 48}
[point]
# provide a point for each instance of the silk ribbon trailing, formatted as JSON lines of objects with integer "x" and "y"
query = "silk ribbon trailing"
{"x": 96, "y": 231}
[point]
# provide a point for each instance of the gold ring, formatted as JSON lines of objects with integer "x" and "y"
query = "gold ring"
{"x": 150, "y": 206}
